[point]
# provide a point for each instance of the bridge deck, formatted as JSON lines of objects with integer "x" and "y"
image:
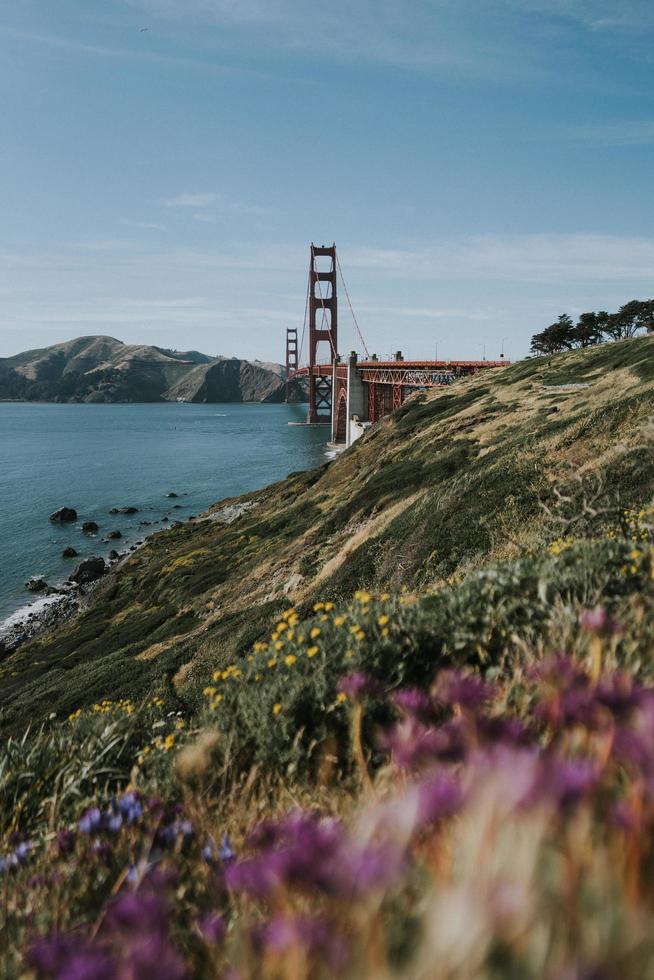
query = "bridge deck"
{"x": 399, "y": 372}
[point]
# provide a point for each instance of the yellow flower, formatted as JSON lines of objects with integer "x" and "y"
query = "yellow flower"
{"x": 312, "y": 651}
{"x": 258, "y": 647}
{"x": 385, "y": 631}
{"x": 301, "y": 638}
{"x": 341, "y": 697}
{"x": 383, "y": 620}
{"x": 318, "y": 606}
{"x": 169, "y": 741}
{"x": 277, "y": 708}
{"x": 274, "y": 636}
{"x": 329, "y": 606}
{"x": 272, "y": 662}
{"x": 339, "y": 620}
{"x": 209, "y": 692}
{"x": 385, "y": 596}
{"x": 281, "y": 627}
{"x": 362, "y": 596}
{"x": 290, "y": 660}
{"x": 279, "y": 644}
{"x": 315, "y": 632}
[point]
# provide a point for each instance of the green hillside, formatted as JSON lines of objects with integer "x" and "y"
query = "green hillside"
{"x": 501, "y": 466}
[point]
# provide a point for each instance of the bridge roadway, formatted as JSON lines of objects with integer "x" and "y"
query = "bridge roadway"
{"x": 355, "y": 394}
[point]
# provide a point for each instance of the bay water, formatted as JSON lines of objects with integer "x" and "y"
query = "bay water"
{"x": 95, "y": 457}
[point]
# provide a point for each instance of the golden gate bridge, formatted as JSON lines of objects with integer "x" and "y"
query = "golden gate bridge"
{"x": 351, "y": 394}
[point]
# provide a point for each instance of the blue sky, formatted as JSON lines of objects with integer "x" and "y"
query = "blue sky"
{"x": 483, "y": 166}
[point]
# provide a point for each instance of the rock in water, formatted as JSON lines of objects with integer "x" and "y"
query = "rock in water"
{"x": 114, "y": 535}
{"x": 124, "y": 510}
{"x": 36, "y": 584}
{"x": 89, "y": 570}
{"x": 113, "y": 554}
{"x": 90, "y": 527}
{"x": 69, "y": 553}
{"x": 64, "y": 515}
{"x": 172, "y": 494}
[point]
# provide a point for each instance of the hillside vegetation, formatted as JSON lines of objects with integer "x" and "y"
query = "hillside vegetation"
{"x": 497, "y": 467}
{"x": 102, "y": 369}
{"x": 390, "y": 718}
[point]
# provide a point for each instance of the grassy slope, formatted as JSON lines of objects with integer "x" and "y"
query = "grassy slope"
{"x": 452, "y": 480}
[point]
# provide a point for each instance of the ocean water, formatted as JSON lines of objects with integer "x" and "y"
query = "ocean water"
{"x": 94, "y": 457}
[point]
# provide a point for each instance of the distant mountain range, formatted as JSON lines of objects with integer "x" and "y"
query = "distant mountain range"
{"x": 102, "y": 369}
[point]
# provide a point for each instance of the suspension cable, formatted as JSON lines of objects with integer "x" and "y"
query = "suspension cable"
{"x": 304, "y": 325}
{"x": 352, "y": 308}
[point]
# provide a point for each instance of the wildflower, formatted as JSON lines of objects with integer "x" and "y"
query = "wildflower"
{"x": 279, "y": 645}
{"x": 599, "y": 622}
{"x": 341, "y": 697}
{"x": 227, "y": 854}
{"x": 312, "y": 651}
{"x": 339, "y": 620}
{"x": 412, "y": 701}
{"x": 211, "y": 928}
{"x": 277, "y": 708}
{"x": 357, "y": 686}
{"x": 383, "y": 620}
{"x": 290, "y": 660}
{"x": 362, "y": 596}
{"x": 90, "y": 821}
{"x": 318, "y": 606}
{"x": 315, "y": 632}
{"x": 461, "y": 688}
{"x": 130, "y": 807}
{"x": 168, "y": 743}
{"x": 272, "y": 662}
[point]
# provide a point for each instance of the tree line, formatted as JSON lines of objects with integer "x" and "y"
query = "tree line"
{"x": 595, "y": 328}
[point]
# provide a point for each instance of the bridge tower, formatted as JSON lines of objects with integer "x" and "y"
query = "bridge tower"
{"x": 323, "y": 330}
{"x": 291, "y": 354}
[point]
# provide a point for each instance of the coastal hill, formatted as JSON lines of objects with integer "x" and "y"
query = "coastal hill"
{"x": 496, "y": 469}
{"x": 103, "y": 369}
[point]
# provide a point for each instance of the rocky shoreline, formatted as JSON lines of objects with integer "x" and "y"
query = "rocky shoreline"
{"x": 59, "y": 603}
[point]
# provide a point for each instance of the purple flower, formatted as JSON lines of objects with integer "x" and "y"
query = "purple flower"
{"x": 438, "y": 798}
{"x": 208, "y": 852}
{"x": 313, "y": 855}
{"x": 91, "y": 821}
{"x": 566, "y": 781}
{"x": 357, "y": 686}
{"x": 21, "y": 852}
{"x": 467, "y": 690}
{"x": 138, "y": 912}
{"x": 227, "y": 855}
{"x": 413, "y": 701}
{"x": 599, "y": 622}
{"x": 113, "y": 822}
{"x": 317, "y": 937}
{"x": 211, "y": 927}
{"x": 130, "y": 807}
{"x": 68, "y": 958}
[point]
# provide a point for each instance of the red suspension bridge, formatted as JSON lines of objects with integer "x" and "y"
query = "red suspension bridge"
{"x": 351, "y": 394}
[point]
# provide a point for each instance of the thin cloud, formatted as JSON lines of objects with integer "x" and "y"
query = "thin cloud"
{"x": 192, "y": 201}
{"x": 143, "y": 225}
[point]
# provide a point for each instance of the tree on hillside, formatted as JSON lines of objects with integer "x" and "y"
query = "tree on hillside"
{"x": 630, "y": 318}
{"x": 590, "y": 328}
{"x": 557, "y": 337}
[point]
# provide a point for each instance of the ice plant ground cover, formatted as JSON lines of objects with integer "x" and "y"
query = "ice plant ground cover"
{"x": 454, "y": 784}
